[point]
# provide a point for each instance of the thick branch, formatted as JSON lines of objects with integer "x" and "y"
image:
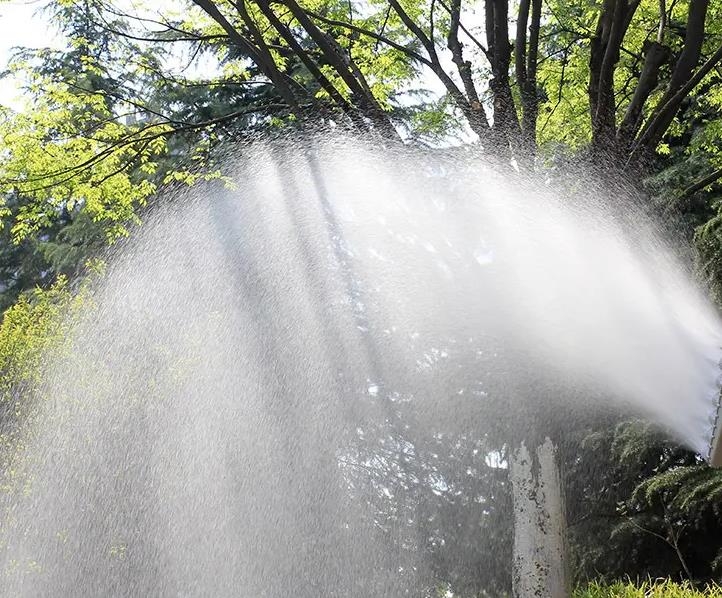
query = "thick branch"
{"x": 475, "y": 115}
{"x": 692, "y": 49}
{"x": 615, "y": 28}
{"x": 463, "y": 66}
{"x": 656, "y": 55}
{"x": 662, "y": 21}
{"x": 416, "y": 30}
{"x": 306, "y": 59}
{"x": 477, "y": 119}
{"x": 534, "y": 27}
{"x": 345, "y": 68}
{"x": 263, "y": 47}
{"x": 529, "y": 92}
{"x": 522, "y": 22}
{"x": 468, "y": 33}
{"x": 263, "y": 59}
{"x": 660, "y": 120}
{"x": 497, "y": 35}
{"x": 373, "y": 35}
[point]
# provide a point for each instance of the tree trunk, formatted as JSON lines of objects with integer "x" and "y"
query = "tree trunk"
{"x": 682, "y": 76}
{"x": 506, "y": 127}
{"x": 539, "y": 566}
{"x": 614, "y": 20}
{"x": 655, "y": 55}
{"x": 525, "y": 67}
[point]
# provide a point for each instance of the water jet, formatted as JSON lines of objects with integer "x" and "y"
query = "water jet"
{"x": 259, "y": 358}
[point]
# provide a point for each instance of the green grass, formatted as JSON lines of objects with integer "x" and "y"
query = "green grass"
{"x": 649, "y": 589}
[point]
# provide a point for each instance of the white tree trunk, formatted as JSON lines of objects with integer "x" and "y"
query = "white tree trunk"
{"x": 539, "y": 568}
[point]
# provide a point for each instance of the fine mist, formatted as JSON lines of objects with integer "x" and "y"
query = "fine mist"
{"x": 256, "y": 354}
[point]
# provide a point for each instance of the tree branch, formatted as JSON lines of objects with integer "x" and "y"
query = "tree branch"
{"x": 305, "y": 57}
{"x": 373, "y": 35}
{"x": 463, "y": 67}
{"x": 132, "y": 138}
{"x": 662, "y": 117}
{"x": 262, "y": 58}
{"x": 701, "y": 184}
{"x": 479, "y": 125}
{"x": 346, "y": 68}
{"x": 655, "y": 56}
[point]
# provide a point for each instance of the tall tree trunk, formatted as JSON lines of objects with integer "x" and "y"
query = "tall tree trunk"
{"x": 525, "y": 67}
{"x": 612, "y": 26}
{"x": 539, "y": 566}
{"x": 506, "y": 123}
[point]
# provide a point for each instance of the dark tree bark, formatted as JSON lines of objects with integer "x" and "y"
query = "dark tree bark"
{"x": 260, "y": 55}
{"x": 464, "y": 66}
{"x": 682, "y": 81}
{"x": 611, "y": 28}
{"x": 474, "y": 114}
{"x": 344, "y": 66}
{"x": 655, "y": 56}
{"x": 506, "y": 123}
{"x": 510, "y": 129}
{"x": 525, "y": 66}
{"x": 310, "y": 64}
{"x": 706, "y": 181}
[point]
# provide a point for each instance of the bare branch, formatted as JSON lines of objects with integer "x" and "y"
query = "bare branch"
{"x": 377, "y": 36}
{"x": 662, "y": 21}
{"x": 260, "y": 55}
{"x": 706, "y": 181}
{"x": 133, "y": 138}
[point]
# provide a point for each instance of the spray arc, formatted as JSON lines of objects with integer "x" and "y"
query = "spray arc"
{"x": 361, "y": 305}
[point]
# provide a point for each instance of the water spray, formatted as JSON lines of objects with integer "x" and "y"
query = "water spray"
{"x": 330, "y": 310}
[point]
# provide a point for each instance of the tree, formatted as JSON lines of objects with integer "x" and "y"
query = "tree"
{"x": 632, "y": 99}
{"x": 627, "y": 69}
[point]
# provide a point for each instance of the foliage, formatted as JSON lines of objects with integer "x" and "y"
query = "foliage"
{"x": 445, "y": 503}
{"x": 79, "y": 159}
{"x": 37, "y": 327}
{"x": 566, "y": 37}
{"x": 115, "y": 115}
{"x": 43, "y": 148}
{"x": 640, "y": 505}
{"x": 647, "y": 589}
{"x": 33, "y": 331}
{"x": 60, "y": 203}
